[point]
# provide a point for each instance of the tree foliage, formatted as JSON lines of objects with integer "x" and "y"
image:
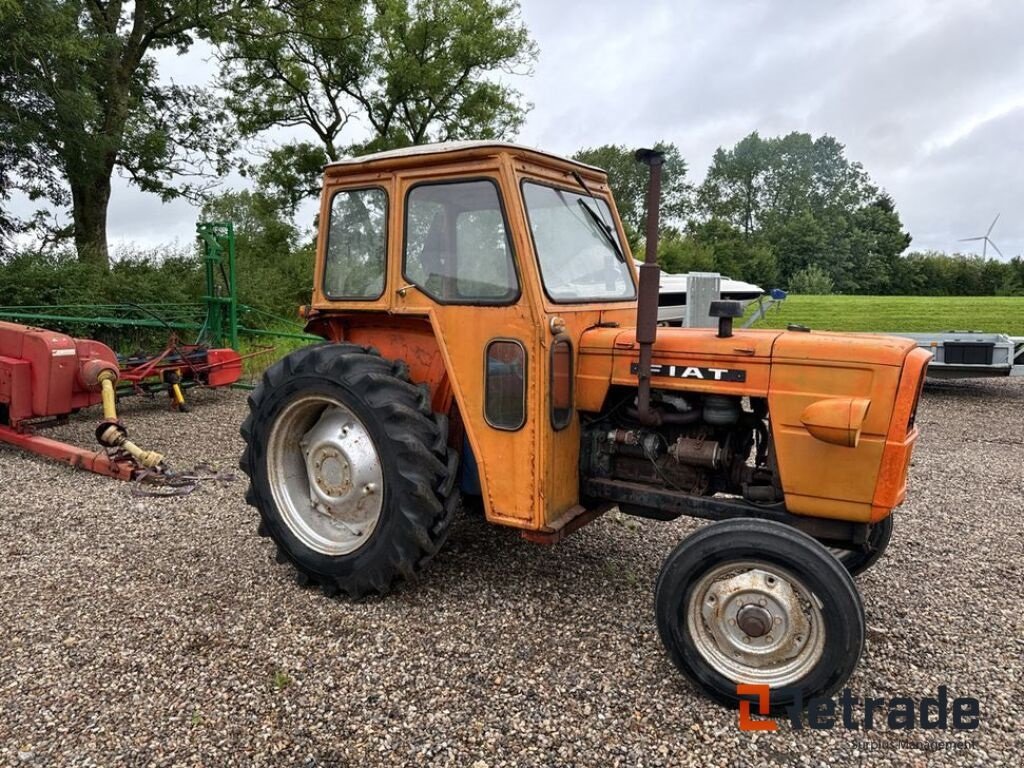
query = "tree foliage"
{"x": 811, "y": 280}
{"x": 628, "y": 180}
{"x": 82, "y": 98}
{"x": 366, "y": 75}
{"x": 761, "y": 183}
{"x": 802, "y": 200}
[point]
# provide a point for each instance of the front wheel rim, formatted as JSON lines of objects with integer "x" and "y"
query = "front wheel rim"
{"x": 325, "y": 475}
{"x": 755, "y": 622}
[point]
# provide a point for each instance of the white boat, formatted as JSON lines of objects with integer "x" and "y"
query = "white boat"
{"x": 672, "y": 295}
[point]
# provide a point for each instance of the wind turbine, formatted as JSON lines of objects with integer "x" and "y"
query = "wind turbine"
{"x": 986, "y": 240}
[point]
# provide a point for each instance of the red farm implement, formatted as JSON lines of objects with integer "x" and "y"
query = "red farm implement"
{"x": 46, "y": 375}
{"x": 180, "y": 366}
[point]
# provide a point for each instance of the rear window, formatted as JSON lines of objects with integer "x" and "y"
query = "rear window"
{"x": 356, "y": 245}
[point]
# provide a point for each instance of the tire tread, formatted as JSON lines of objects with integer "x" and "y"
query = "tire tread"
{"x": 426, "y": 499}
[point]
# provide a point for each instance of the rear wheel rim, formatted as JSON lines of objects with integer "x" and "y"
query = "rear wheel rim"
{"x": 325, "y": 474}
{"x": 755, "y": 622}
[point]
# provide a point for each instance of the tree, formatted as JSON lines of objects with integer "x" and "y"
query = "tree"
{"x": 409, "y": 71}
{"x": 8, "y": 226}
{"x": 628, "y": 180}
{"x": 678, "y": 255}
{"x": 82, "y": 98}
{"x": 731, "y": 189}
{"x": 803, "y": 199}
{"x": 877, "y": 241}
{"x": 735, "y": 254}
{"x": 761, "y": 182}
{"x": 811, "y": 281}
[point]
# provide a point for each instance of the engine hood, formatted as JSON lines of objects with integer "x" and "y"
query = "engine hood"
{"x": 756, "y": 344}
{"x": 842, "y": 347}
{"x": 697, "y": 359}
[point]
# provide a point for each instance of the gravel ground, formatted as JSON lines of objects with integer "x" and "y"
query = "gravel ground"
{"x": 160, "y": 631}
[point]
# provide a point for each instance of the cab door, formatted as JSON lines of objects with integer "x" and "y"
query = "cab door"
{"x": 459, "y": 267}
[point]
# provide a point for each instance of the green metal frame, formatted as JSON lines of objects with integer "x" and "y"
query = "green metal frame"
{"x": 221, "y": 297}
{"x": 216, "y": 321}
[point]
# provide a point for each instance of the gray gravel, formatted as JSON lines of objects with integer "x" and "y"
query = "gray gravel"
{"x": 161, "y": 632}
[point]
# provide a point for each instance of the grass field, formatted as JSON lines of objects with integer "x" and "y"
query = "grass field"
{"x": 1001, "y": 314}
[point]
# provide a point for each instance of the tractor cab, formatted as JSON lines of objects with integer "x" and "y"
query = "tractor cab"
{"x": 482, "y": 265}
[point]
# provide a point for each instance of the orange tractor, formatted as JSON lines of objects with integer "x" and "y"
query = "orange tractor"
{"x": 488, "y": 333}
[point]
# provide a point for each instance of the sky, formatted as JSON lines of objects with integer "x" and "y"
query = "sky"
{"x": 927, "y": 94}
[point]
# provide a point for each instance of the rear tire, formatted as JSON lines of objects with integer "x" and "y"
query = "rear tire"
{"x": 856, "y": 561}
{"x": 349, "y": 468}
{"x": 757, "y": 602}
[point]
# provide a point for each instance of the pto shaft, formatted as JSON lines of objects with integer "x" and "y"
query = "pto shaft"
{"x": 112, "y": 434}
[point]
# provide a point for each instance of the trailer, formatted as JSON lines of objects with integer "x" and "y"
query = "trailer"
{"x": 955, "y": 354}
{"x": 971, "y": 354}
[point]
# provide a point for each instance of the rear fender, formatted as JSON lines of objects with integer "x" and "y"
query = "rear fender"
{"x": 405, "y": 338}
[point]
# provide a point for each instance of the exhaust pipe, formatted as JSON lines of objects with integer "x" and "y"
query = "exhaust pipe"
{"x": 650, "y": 277}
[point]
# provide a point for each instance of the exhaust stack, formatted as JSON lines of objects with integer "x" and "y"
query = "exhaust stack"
{"x": 650, "y": 277}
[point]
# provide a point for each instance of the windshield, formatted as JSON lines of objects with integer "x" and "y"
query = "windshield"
{"x": 579, "y": 251}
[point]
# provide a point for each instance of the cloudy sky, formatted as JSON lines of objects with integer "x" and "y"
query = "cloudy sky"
{"x": 927, "y": 94}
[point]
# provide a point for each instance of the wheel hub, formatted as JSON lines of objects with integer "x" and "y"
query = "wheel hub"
{"x": 331, "y": 471}
{"x": 753, "y": 623}
{"x": 327, "y": 477}
{"x": 343, "y": 468}
{"x": 754, "y": 620}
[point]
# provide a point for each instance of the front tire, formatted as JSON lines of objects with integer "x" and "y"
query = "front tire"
{"x": 757, "y": 602}
{"x": 349, "y": 468}
{"x": 856, "y": 561}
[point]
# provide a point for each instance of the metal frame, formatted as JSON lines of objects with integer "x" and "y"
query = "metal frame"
{"x": 100, "y": 462}
{"x": 216, "y": 319}
{"x": 838, "y": 533}
{"x": 219, "y": 239}
{"x": 1007, "y": 354}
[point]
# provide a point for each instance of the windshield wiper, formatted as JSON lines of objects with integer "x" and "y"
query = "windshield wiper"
{"x": 602, "y": 228}
{"x": 602, "y": 225}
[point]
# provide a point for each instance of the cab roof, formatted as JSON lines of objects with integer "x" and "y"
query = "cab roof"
{"x": 452, "y": 150}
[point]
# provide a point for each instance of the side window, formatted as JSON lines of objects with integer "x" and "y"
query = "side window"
{"x": 357, "y": 245}
{"x": 457, "y": 248}
{"x": 505, "y": 386}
